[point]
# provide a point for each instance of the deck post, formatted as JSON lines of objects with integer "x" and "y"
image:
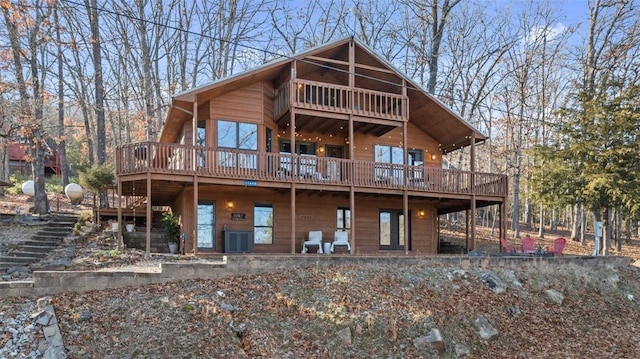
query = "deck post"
{"x": 473, "y": 190}
{"x": 293, "y": 217}
{"x": 352, "y": 206}
{"x": 147, "y": 253}
{"x": 119, "y": 220}
{"x": 194, "y": 165}
{"x": 405, "y": 194}
{"x": 194, "y": 225}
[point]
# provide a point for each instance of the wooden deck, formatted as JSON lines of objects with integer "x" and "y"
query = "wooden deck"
{"x": 252, "y": 166}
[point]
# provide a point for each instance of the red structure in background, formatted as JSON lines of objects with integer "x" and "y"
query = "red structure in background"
{"x": 19, "y": 152}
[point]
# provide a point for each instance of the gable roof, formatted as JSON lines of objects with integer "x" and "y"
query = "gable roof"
{"x": 425, "y": 111}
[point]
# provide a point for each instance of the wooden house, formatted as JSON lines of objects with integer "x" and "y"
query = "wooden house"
{"x": 334, "y": 139}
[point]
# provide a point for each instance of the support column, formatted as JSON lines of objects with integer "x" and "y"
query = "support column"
{"x": 147, "y": 253}
{"x": 194, "y": 164}
{"x": 118, "y": 233}
{"x": 194, "y": 221}
{"x": 293, "y": 217}
{"x": 405, "y": 195}
{"x": 466, "y": 228}
{"x": 473, "y": 190}
{"x": 405, "y": 206}
{"x": 352, "y": 207}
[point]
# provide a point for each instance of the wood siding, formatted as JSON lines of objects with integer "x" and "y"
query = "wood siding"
{"x": 313, "y": 213}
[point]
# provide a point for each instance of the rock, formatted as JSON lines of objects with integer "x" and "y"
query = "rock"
{"x": 17, "y": 270}
{"x": 510, "y": 277}
{"x": 54, "y": 352}
{"x": 345, "y": 335}
{"x": 461, "y": 273}
{"x": 64, "y": 261}
{"x": 239, "y": 330}
{"x": 554, "y": 296}
{"x": 44, "y": 318}
{"x": 85, "y": 316}
{"x": 612, "y": 280}
{"x": 494, "y": 283}
{"x": 461, "y": 350}
{"x": 485, "y": 329}
{"x": 514, "y": 311}
{"x": 228, "y": 307}
{"x": 433, "y": 340}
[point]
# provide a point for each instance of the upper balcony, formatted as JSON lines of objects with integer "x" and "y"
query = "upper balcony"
{"x": 339, "y": 100}
{"x": 283, "y": 168}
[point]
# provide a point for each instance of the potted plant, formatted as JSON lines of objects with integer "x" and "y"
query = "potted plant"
{"x": 171, "y": 227}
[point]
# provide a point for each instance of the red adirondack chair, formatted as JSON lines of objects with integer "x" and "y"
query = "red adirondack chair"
{"x": 528, "y": 245}
{"x": 505, "y": 246}
{"x": 558, "y": 246}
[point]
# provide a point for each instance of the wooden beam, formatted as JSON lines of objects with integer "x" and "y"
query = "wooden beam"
{"x": 324, "y": 59}
{"x": 373, "y": 68}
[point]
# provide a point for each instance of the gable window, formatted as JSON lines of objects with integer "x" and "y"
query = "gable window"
{"x": 263, "y": 224}
{"x": 241, "y": 137}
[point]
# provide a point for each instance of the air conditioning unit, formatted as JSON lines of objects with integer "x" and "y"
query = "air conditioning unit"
{"x": 238, "y": 241}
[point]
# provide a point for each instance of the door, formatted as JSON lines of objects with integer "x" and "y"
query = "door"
{"x": 206, "y": 225}
{"x": 391, "y": 224}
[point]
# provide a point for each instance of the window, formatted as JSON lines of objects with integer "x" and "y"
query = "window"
{"x": 390, "y": 161}
{"x": 388, "y": 154}
{"x": 237, "y": 136}
{"x": 302, "y": 148}
{"x": 343, "y": 219}
{"x": 201, "y": 140}
{"x": 415, "y": 157}
{"x": 263, "y": 224}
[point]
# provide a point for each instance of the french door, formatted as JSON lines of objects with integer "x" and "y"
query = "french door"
{"x": 392, "y": 229}
{"x": 206, "y": 224}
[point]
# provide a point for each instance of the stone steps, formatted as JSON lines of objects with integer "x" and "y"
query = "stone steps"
{"x": 28, "y": 253}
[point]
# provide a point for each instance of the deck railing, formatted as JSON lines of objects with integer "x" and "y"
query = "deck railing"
{"x": 339, "y": 99}
{"x": 284, "y": 167}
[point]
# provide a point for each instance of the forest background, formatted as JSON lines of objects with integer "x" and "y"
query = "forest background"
{"x": 554, "y": 84}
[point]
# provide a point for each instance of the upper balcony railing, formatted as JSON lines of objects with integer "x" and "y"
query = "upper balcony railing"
{"x": 339, "y": 99}
{"x": 179, "y": 159}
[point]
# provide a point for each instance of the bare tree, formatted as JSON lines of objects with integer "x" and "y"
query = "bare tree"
{"x": 96, "y": 47}
{"x": 34, "y": 29}
{"x": 62, "y": 148}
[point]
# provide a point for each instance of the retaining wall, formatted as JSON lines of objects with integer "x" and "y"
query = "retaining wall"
{"x": 52, "y": 282}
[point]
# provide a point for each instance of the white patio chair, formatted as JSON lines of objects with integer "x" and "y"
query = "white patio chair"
{"x": 315, "y": 239}
{"x": 341, "y": 238}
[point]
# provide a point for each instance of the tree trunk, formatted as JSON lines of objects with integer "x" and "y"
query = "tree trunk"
{"x": 583, "y": 225}
{"x": 606, "y": 231}
{"x": 541, "y": 229}
{"x": 62, "y": 147}
{"x": 96, "y": 48}
{"x": 576, "y": 219}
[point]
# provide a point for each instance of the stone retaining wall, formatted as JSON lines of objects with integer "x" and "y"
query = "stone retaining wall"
{"x": 52, "y": 282}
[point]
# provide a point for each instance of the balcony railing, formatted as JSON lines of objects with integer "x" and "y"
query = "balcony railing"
{"x": 339, "y": 99}
{"x": 284, "y": 167}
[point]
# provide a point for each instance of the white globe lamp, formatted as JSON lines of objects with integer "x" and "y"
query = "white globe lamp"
{"x": 74, "y": 192}
{"x": 28, "y": 188}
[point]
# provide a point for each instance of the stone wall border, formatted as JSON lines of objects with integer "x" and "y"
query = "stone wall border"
{"x": 52, "y": 282}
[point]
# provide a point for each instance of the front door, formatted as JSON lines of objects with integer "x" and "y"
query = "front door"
{"x": 392, "y": 229}
{"x": 206, "y": 224}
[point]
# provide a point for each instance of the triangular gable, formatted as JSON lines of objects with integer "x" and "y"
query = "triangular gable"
{"x": 425, "y": 111}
